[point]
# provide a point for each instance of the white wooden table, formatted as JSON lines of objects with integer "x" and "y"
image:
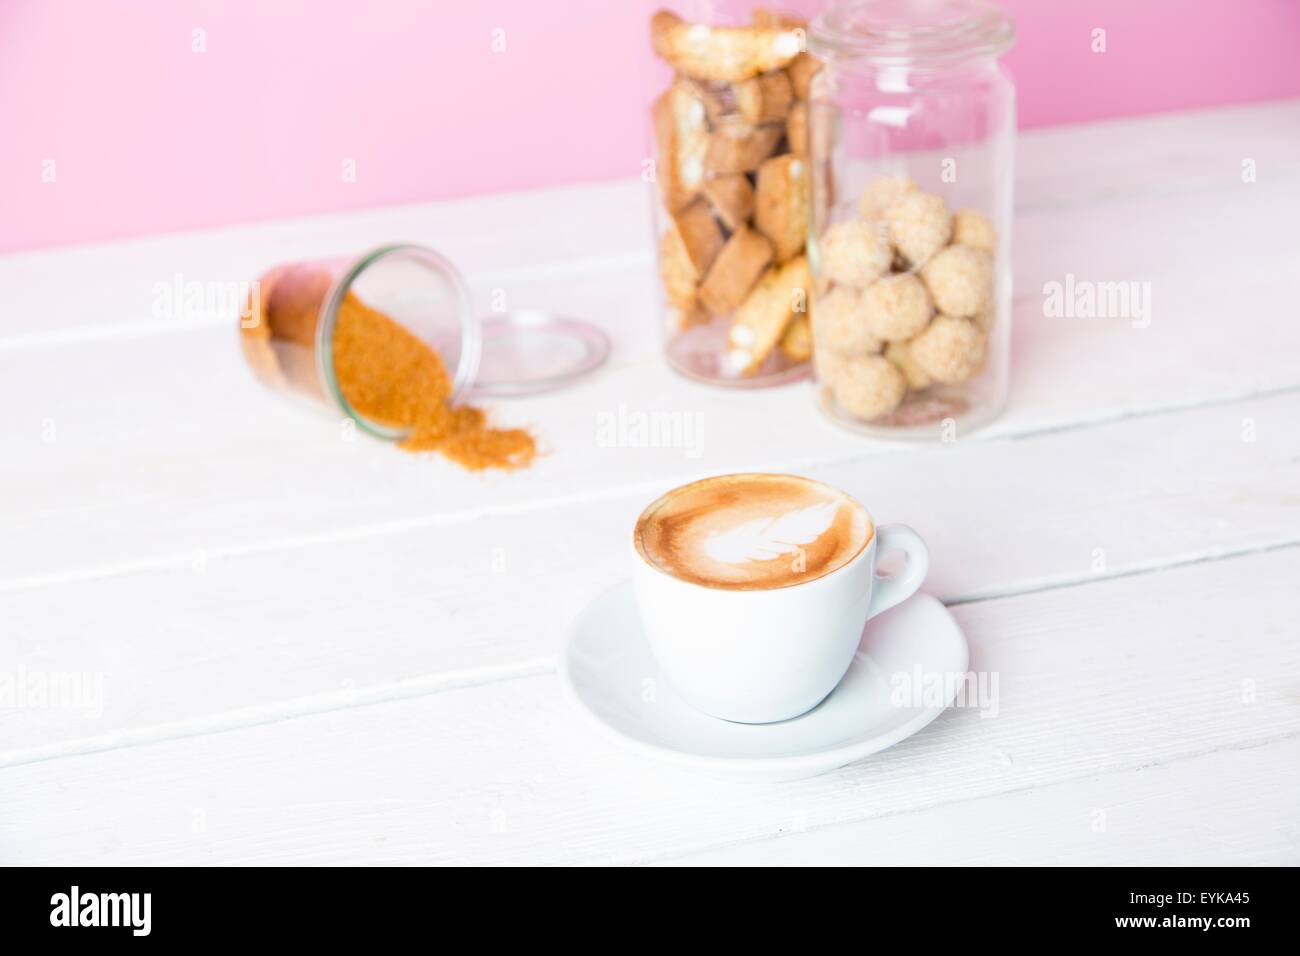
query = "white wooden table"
{"x": 317, "y": 650}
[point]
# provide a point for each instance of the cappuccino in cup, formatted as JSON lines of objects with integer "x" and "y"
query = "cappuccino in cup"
{"x": 752, "y": 532}
{"x": 753, "y": 590}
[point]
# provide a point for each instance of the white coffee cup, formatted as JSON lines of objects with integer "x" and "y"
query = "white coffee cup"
{"x": 759, "y": 656}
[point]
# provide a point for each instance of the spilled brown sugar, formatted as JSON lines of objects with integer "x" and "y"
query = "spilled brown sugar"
{"x": 387, "y": 374}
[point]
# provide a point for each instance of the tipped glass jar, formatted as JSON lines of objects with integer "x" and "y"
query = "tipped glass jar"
{"x": 389, "y": 341}
{"x": 288, "y": 335}
{"x": 912, "y": 132}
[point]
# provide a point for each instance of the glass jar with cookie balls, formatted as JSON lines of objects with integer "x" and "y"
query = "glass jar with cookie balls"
{"x": 729, "y": 120}
{"x": 912, "y": 135}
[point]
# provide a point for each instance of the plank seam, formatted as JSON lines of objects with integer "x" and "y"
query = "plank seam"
{"x": 311, "y": 705}
{"x": 1136, "y": 768}
{"x": 143, "y": 328}
{"x": 1137, "y": 570}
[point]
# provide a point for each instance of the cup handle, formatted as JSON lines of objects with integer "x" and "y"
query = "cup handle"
{"x": 886, "y": 592}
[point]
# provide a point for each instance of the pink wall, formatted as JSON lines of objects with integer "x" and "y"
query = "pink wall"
{"x": 147, "y": 135}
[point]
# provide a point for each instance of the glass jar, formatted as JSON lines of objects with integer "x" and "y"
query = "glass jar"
{"x": 288, "y": 331}
{"x": 731, "y": 189}
{"x": 912, "y": 139}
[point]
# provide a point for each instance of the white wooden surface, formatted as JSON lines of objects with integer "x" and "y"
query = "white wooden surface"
{"x": 316, "y": 650}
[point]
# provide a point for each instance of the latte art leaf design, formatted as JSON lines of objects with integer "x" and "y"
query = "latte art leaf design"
{"x": 763, "y": 539}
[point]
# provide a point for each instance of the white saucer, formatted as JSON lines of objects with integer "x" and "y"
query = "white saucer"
{"x": 608, "y": 671}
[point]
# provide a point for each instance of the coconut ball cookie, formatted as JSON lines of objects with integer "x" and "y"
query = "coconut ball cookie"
{"x": 970, "y": 227}
{"x": 881, "y": 193}
{"x": 985, "y": 317}
{"x": 867, "y": 386}
{"x": 950, "y": 350}
{"x": 960, "y": 280}
{"x": 840, "y": 324}
{"x": 854, "y": 253}
{"x": 901, "y": 355}
{"x": 896, "y": 307}
{"x": 919, "y": 225}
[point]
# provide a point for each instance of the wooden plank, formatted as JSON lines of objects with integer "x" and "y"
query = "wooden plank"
{"x": 1229, "y": 808}
{"x": 1184, "y": 151}
{"x": 1112, "y": 677}
{"x": 231, "y": 623}
{"x": 58, "y": 295}
{"x": 1228, "y": 237}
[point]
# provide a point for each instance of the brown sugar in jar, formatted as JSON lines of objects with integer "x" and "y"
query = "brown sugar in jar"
{"x": 373, "y": 338}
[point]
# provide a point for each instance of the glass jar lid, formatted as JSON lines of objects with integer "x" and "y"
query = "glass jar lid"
{"x": 912, "y": 32}
{"x": 531, "y": 351}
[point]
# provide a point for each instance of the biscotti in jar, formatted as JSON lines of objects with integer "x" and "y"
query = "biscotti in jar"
{"x": 732, "y": 187}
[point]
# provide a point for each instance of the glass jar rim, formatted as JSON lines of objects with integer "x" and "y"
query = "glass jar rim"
{"x": 471, "y": 342}
{"x": 894, "y": 33}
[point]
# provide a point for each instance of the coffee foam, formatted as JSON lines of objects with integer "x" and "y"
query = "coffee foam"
{"x": 752, "y": 532}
